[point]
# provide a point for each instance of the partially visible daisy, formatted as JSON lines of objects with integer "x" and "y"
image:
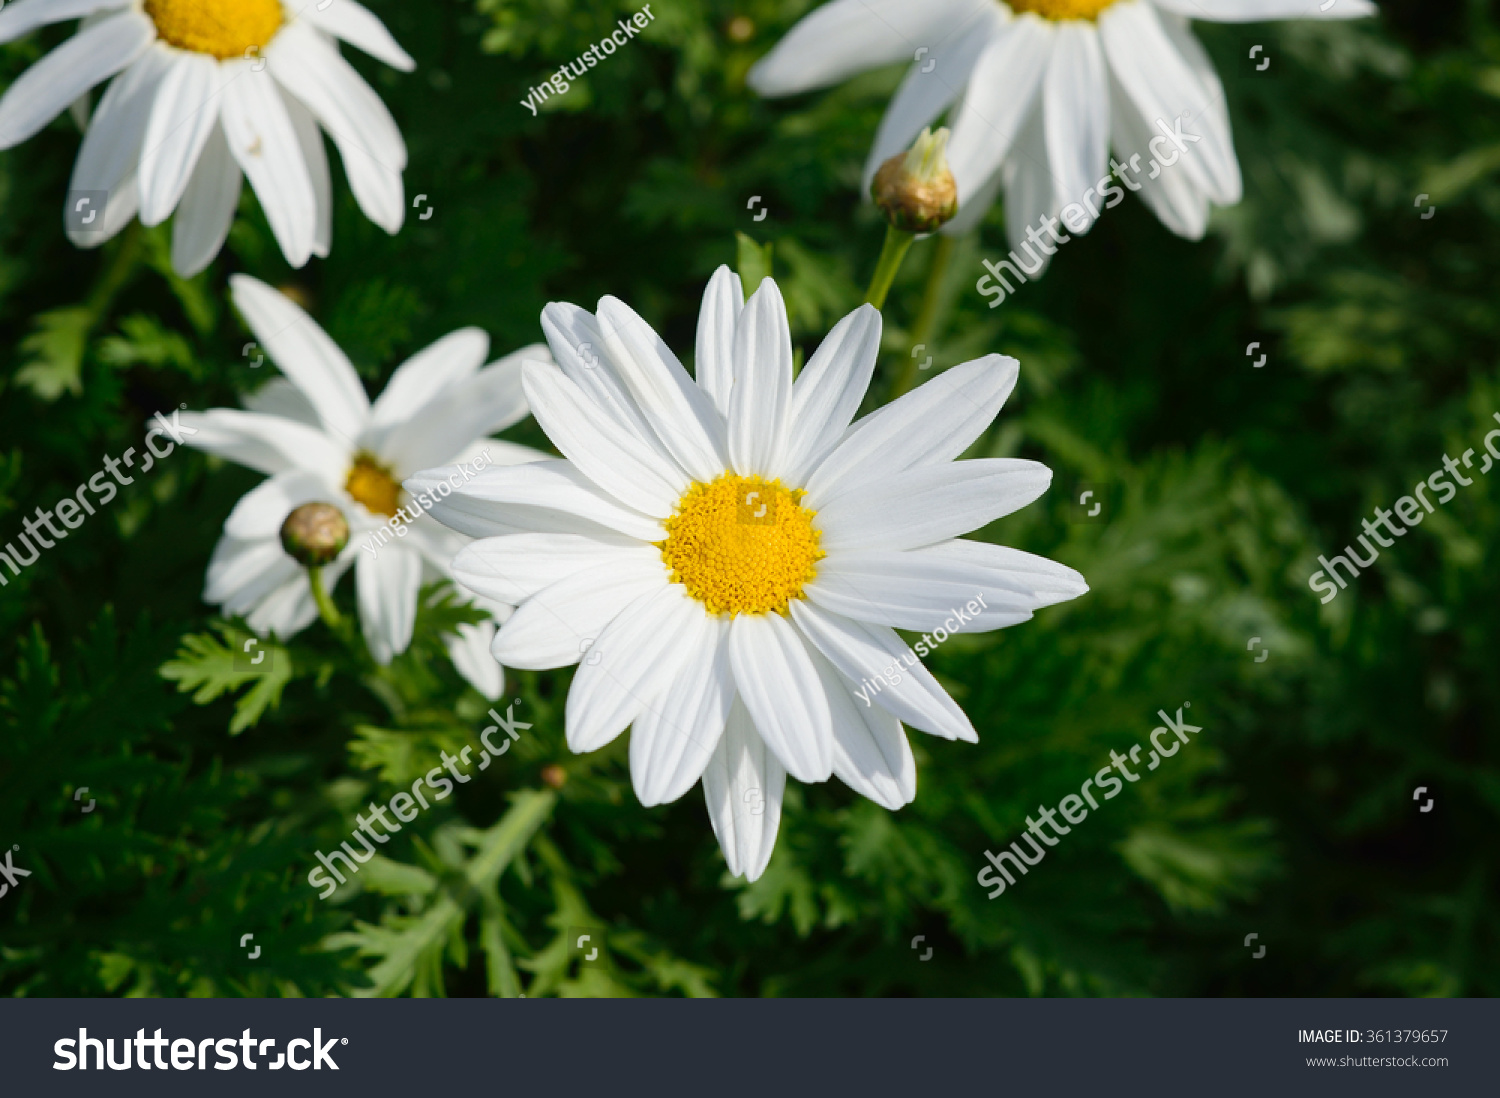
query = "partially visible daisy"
{"x": 318, "y": 437}
{"x": 208, "y": 91}
{"x": 729, "y": 559}
{"x": 1041, "y": 91}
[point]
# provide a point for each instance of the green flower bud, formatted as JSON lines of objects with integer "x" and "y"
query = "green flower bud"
{"x": 915, "y": 189}
{"x": 315, "y": 534}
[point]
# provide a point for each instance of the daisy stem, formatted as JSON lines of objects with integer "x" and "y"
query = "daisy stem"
{"x": 925, "y": 326}
{"x": 326, "y": 610}
{"x": 892, "y": 252}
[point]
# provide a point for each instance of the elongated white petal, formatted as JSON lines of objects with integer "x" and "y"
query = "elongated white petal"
{"x": 634, "y": 659}
{"x": 913, "y": 591}
{"x": 112, "y": 143}
{"x": 723, "y": 301}
{"x": 371, "y": 146}
{"x": 262, "y": 139}
{"x": 775, "y": 678}
{"x": 513, "y": 568}
{"x": 1172, "y": 195}
{"x": 760, "y": 401}
{"x": 429, "y": 373}
{"x": 743, "y": 787}
{"x": 279, "y": 397}
{"x": 542, "y": 496}
{"x": 1256, "y": 11}
{"x": 94, "y": 54}
{"x": 266, "y": 443}
{"x": 1075, "y": 114}
{"x": 185, "y": 112}
{"x": 1048, "y": 581}
{"x": 557, "y": 626}
{"x": 870, "y": 752}
{"x": 207, "y": 208}
{"x": 849, "y": 36}
{"x": 1001, "y": 93}
{"x": 361, "y": 28}
{"x": 387, "y": 586}
{"x": 469, "y": 649}
{"x": 1228, "y": 187}
{"x": 1031, "y": 199}
{"x": 305, "y": 354}
{"x": 675, "y": 735}
{"x": 604, "y": 450}
{"x": 23, "y": 16}
{"x": 929, "y": 504}
{"x": 243, "y": 573}
{"x": 315, "y": 156}
{"x": 875, "y": 654}
{"x": 829, "y": 390}
{"x": 933, "y": 82}
{"x": 934, "y": 423}
{"x": 261, "y": 511}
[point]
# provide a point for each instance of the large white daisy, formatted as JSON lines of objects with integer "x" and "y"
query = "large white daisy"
{"x": 318, "y": 437}
{"x": 730, "y": 558}
{"x": 1044, "y": 90}
{"x": 209, "y": 90}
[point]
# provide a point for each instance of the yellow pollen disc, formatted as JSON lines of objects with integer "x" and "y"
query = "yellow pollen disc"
{"x": 1061, "y": 9}
{"x": 219, "y": 28}
{"x": 371, "y": 483}
{"x": 741, "y": 545}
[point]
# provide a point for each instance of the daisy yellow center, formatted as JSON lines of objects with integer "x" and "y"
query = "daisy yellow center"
{"x": 219, "y": 28}
{"x": 1061, "y": 9}
{"x": 372, "y": 484}
{"x": 741, "y": 545}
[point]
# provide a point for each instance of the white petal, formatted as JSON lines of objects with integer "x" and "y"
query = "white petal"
{"x": 780, "y": 688}
{"x": 428, "y": 373}
{"x": 261, "y": 511}
{"x": 315, "y": 156}
{"x": 603, "y": 449}
{"x": 242, "y": 574}
{"x": 557, "y": 625}
{"x": 1257, "y": 11}
{"x": 743, "y": 786}
{"x": 278, "y": 396}
{"x": 207, "y": 208}
{"x": 112, "y": 143}
{"x": 469, "y": 650}
{"x": 934, "y": 423}
{"x": 266, "y": 443}
{"x": 94, "y": 54}
{"x": 449, "y": 422}
{"x": 849, "y": 36}
{"x": 358, "y": 26}
{"x": 185, "y": 112}
{"x": 262, "y": 139}
{"x": 1075, "y": 113}
{"x": 387, "y": 585}
{"x": 829, "y": 390}
{"x": 682, "y": 415}
{"x": 875, "y": 653}
{"x": 1001, "y": 94}
{"x": 1173, "y": 196}
{"x": 723, "y": 301}
{"x": 1228, "y": 185}
{"x": 932, "y": 83}
{"x": 674, "y": 737}
{"x": 23, "y": 16}
{"x": 870, "y": 752}
{"x": 760, "y": 400}
{"x": 915, "y": 591}
{"x": 305, "y": 354}
{"x": 373, "y": 152}
{"x": 513, "y": 568}
{"x": 930, "y": 503}
{"x": 636, "y": 657}
{"x": 1030, "y": 197}
{"x": 1048, "y": 581}
{"x": 549, "y": 496}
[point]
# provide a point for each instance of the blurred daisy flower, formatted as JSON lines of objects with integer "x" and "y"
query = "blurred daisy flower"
{"x": 1044, "y": 90}
{"x": 208, "y": 90}
{"x": 319, "y": 439}
{"x": 728, "y": 559}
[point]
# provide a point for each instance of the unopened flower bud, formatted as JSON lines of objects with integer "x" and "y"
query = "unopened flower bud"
{"x": 915, "y": 189}
{"x": 554, "y": 775}
{"x": 314, "y": 534}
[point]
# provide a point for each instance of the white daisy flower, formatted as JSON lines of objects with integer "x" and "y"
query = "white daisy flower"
{"x": 207, "y": 90}
{"x": 318, "y": 437}
{"x": 729, "y": 557}
{"x": 1045, "y": 89}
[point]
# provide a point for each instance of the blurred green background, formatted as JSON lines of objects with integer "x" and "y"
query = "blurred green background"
{"x": 1291, "y": 816}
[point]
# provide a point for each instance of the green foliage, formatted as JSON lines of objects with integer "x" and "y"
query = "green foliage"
{"x": 1289, "y": 815}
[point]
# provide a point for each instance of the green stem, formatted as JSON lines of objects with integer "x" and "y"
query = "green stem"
{"x": 122, "y": 265}
{"x": 326, "y": 610}
{"x": 925, "y": 326}
{"x": 892, "y": 252}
